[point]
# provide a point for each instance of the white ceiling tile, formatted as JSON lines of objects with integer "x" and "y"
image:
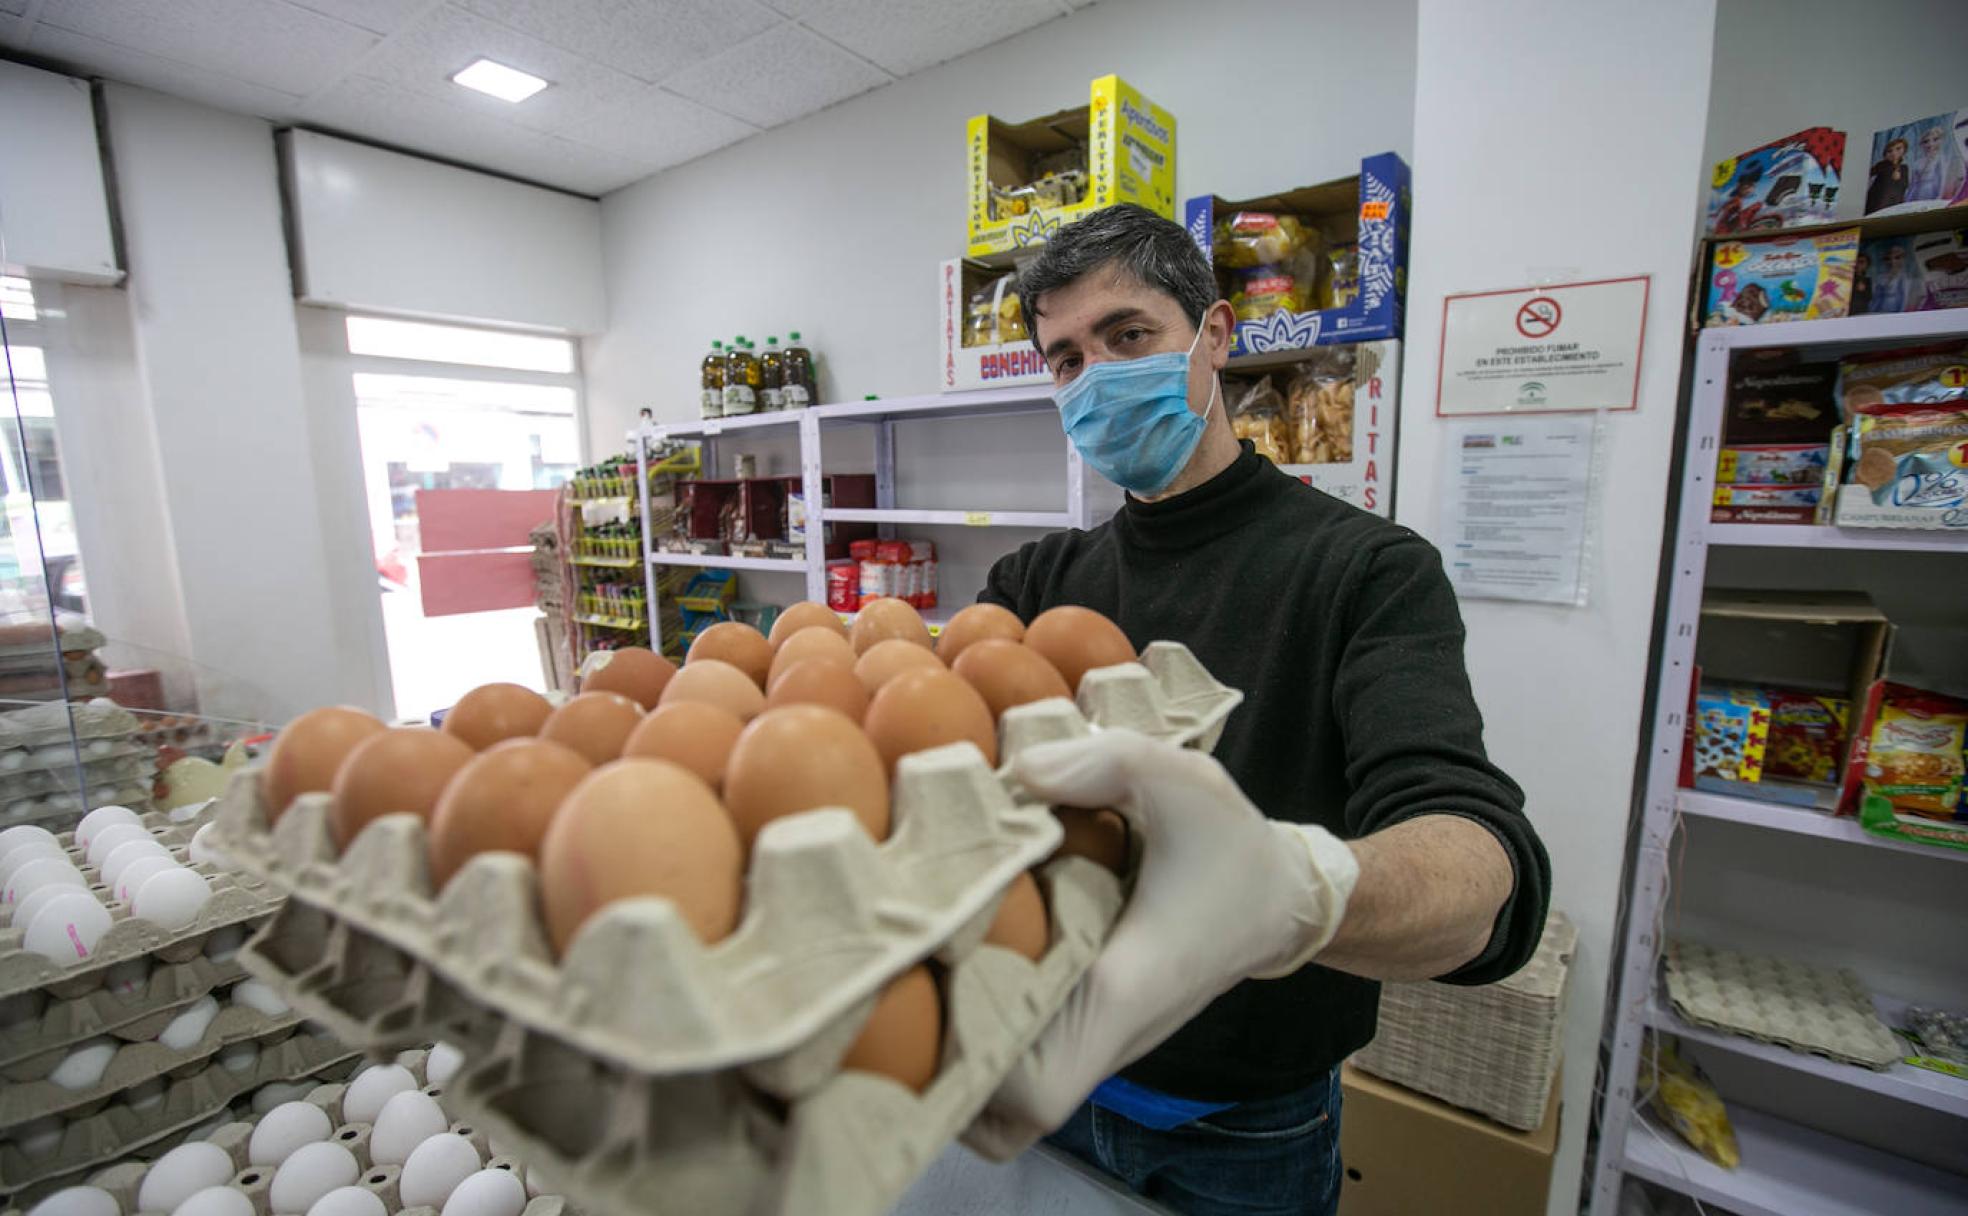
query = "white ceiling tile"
{"x": 907, "y": 36}
{"x": 92, "y": 56}
{"x": 776, "y": 77}
{"x": 263, "y": 42}
{"x": 423, "y": 57}
{"x": 381, "y": 16}
{"x": 648, "y": 39}
{"x": 658, "y": 129}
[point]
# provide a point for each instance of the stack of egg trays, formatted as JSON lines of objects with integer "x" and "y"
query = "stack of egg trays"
{"x": 52, "y": 1006}
{"x": 124, "y": 1180}
{"x": 42, "y": 747}
{"x": 645, "y": 1064}
{"x": 1823, "y": 1011}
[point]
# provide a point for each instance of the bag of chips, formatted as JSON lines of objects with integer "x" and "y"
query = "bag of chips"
{"x": 1245, "y": 240}
{"x": 1259, "y": 416}
{"x": 1319, "y": 406}
{"x": 1915, "y": 758}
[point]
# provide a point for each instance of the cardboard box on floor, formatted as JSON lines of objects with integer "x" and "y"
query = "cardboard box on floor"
{"x": 1407, "y": 1154}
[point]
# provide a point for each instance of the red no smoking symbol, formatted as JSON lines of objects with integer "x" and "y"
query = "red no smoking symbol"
{"x": 1538, "y": 317}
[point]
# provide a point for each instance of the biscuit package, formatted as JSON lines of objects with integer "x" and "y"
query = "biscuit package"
{"x": 1794, "y": 278}
{"x": 1732, "y": 732}
{"x": 1807, "y": 735}
{"x": 1915, "y": 758}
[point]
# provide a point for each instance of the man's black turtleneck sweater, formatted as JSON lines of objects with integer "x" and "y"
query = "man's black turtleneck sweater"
{"x": 1343, "y": 633}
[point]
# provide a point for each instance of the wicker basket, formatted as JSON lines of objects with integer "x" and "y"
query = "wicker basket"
{"x": 1492, "y": 1049}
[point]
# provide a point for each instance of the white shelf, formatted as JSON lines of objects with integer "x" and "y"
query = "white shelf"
{"x": 1814, "y": 536}
{"x": 1806, "y": 821}
{"x": 1839, "y": 331}
{"x": 975, "y": 403}
{"x": 721, "y": 561}
{"x": 962, "y": 519}
{"x": 720, "y": 426}
{"x": 1789, "y": 1170}
{"x": 1902, "y": 1082}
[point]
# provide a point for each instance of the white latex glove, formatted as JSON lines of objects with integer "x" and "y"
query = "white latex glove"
{"x": 1223, "y": 895}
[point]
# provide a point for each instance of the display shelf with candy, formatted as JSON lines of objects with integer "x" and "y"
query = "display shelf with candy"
{"x": 1816, "y": 536}
{"x": 1928, "y": 275}
{"x": 725, "y": 561}
{"x": 1801, "y": 820}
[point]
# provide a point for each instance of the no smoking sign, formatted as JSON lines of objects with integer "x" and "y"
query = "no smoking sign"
{"x": 1539, "y": 317}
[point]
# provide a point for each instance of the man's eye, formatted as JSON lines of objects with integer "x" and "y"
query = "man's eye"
{"x": 1130, "y": 335}
{"x": 1067, "y": 368}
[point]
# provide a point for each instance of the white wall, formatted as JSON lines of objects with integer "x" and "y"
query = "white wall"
{"x": 1624, "y": 92}
{"x": 1784, "y": 65}
{"x": 54, "y": 213}
{"x": 220, "y": 361}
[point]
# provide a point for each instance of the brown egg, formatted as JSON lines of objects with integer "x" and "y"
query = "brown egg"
{"x": 308, "y": 752}
{"x": 1021, "y": 924}
{"x": 502, "y": 801}
{"x": 637, "y": 672}
{"x": 805, "y": 615}
{"x": 402, "y": 769}
{"x": 595, "y": 724}
{"x": 1077, "y": 640}
{"x": 736, "y": 643}
{"x": 718, "y": 683}
{"x": 975, "y": 624}
{"x": 903, "y": 1038}
{"x": 635, "y": 828}
{"x": 695, "y": 734}
{"x": 808, "y": 644}
{"x": 885, "y": 660}
{"x": 827, "y": 682}
{"x": 1100, "y": 836}
{"x": 493, "y": 713}
{"x": 798, "y": 757}
{"x": 885, "y": 618}
{"x": 1006, "y": 673}
{"x": 918, "y": 710}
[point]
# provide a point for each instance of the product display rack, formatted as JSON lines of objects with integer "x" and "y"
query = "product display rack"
{"x": 1787, "y": 1169}
{"x": 882, "y": 414}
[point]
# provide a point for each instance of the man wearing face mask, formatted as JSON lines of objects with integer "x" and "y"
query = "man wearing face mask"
{"x": 1349, "y": 827}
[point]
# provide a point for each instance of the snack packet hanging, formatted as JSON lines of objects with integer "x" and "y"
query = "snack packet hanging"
{"x": 1686, "y": 1100}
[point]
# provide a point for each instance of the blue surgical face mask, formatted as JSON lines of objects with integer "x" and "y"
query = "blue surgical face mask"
{"x": 1131, "y": 419}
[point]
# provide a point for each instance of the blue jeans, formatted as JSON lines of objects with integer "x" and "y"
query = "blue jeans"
{"x": 1274, "y": 1157}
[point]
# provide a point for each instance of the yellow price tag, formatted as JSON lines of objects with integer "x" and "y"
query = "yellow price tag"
{"x": 1954, "y": 377}
{"x": 1724, "y": 170}
{"x": 977, "y": 519}
{"x": 1731, "y": 254}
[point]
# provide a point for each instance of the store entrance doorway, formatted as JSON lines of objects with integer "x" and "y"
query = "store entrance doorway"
{"x": 465, "y": 434}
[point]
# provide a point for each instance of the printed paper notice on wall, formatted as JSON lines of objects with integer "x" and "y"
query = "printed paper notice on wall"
{"x": 1569, "y": 346}
{"x": 1517, "y": 507}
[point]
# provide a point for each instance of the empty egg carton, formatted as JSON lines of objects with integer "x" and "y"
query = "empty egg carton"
{"x": 1819, "y": 1010}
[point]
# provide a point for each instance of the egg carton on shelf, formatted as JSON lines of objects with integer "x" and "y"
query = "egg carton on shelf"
{"x": 62, "y": 724}
{"x": 133, "y": 1010}
{"x": 623, "y": 1144}
{"x": 125, "y": 1181}
{"x": 125, "y": 765}
{"x": 118, "y": 1130}
{"x": 1821, "y": 1010}
{"x": 32, "y": 1092}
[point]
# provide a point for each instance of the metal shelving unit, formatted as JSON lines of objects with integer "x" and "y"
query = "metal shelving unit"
{"x": 1787, "y": 1169}
{"x": 881, "y": 414}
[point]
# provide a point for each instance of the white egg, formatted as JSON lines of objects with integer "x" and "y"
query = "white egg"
{"x": 145, "y": 1095}
{"x": 77, "y": 1201}
{"x": 21, "y": 1009}
{"x": 285, "y": 1128}
{"x": 28, "y": 908}
{"x": 224, "y": 942}
{"x": 442, "y": 1064}
{"x": 41, "y": 872}
{"x": 124, "y": 855}
{"x": 131, "y": 878}
{"x": 487, "y": 1193}
{"x": 103, "y": 817}
{"x": 26, "y": 833}
{"x": 373, "y": 1086}
{"x": 83, "y": 1066}
{"x": 310, "y": 1172}
{"x": 129, "y": 978}
{"x": 406, "y": 1120}
{"x": 201, "y": 851}
{"x": 435, "y": 1169}
{"x": 215, "y": 1201}
{"x": 114, "y": 837}
{"x": 98, "y": 748}
{"x": 239, "y": 1057}
{"x": 182, "y": 1173}
{"x": 172, "y": 899}
{"x": 188, "y": 1028}
{"x": 39, "y": 1137}
{"x": 33, "y": 850}
{"x": 13, "y": 759}
{"x": 349, "y": 1201}
{"x": 278, "y": 1093}
{"x": 68, "y": 928}
{"x": 50, "y": 754}
{"x": 256, "y": 995}
{"x": 209, "y": 1128}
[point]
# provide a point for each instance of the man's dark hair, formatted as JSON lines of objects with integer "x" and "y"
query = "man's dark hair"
{"x": 1156, "y": 251}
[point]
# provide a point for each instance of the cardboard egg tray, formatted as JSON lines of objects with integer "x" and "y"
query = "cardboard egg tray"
{"x": 730, "y": 1142}
{"x": 107, "y": 759}
{"x": 1820, "y": 1010}
{"x": 830, "y": 915}
{"x": 57, "y": 723}
{"x": 122, "y": 1127}
{"x": 235, "y": 898}
{"x": 124, "y": 1181}
{"x": 133, "y": 1016}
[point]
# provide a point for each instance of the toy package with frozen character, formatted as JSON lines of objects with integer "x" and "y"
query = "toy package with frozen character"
{"x": 1800, "y": 278}
{"x": 1783, "y": 184}
{"x": 1919, "y": 165}
{"x": 1912, "y": 273}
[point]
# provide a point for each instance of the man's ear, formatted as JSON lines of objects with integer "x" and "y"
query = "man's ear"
{"x": 1219, "y": 323}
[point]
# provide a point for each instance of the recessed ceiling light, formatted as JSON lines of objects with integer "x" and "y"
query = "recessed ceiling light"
{"x": 502, "y": 82}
